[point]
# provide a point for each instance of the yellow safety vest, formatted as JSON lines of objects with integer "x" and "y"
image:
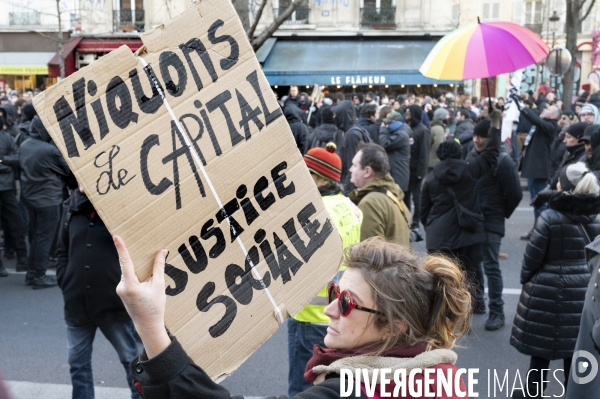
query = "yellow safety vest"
{"x": 347, "y": 218}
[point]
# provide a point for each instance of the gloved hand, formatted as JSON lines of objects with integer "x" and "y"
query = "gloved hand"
{"x": 517, "y": 101}
{"x": 496, "y": 119}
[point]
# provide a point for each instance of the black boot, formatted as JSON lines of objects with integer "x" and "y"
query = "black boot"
{"x": 44, "y": 282}
{"x": 22, "y": 262}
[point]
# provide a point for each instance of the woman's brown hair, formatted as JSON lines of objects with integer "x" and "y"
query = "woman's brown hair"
{"x": 427, "y": 294}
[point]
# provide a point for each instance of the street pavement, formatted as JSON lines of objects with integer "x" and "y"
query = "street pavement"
{"x": 33, "y": 355}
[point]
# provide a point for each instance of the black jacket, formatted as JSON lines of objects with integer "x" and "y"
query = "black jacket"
{"x": 572, "y": 155}
{"x": 555, "y": 277}
{"x": 535, "y": 158}
{"x": 438, "y": 212}
{"x": 371, "y": 126}
{"x": 524, "y": 126}
{"x": 88, "y": 268}
{"x": 323, "y": 134}
{"x": 594, "y": 162}
{"x": 23, "y": 133}
{"x": 173, "y": 375}
{"x": 420, "y": 141}
{"x": 499, "y": 191}
{"x": 42, "y": 169}
{"x": 293, "y": 114}
{"x": 395, "y": 138}
{"x": 557, "y": 154}
{"x": 345, "y": 119}
{"x": 9, "y": 160}
{"x": 464, "y": 126}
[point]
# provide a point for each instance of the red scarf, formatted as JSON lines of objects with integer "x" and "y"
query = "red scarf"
{"x": 326, "y": 356}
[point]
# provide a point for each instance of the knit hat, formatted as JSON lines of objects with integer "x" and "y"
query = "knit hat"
{"x": 324, "y": 162}
{"x": 482, "y": 129}
{"x": 448, "y": 149}
{"x": 577, "y": 129}
{"x": 440, "y": 114}
{"x": 326, "y": 114}
{"x": 393, "y": 116}
{"x": 570, "y": 114}
{"x": 28, "y": 111}
{"x": 589, "y": 131}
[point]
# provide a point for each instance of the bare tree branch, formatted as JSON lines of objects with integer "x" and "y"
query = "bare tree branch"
{"x": 267, "y": 33}
{"x": 588, "y": 10}
{"x": 257, "y": 19}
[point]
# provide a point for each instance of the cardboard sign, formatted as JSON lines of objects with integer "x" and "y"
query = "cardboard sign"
{"x": 185, "y": 147}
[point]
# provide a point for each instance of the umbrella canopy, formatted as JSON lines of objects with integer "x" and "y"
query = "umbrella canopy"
{"x": 483, "y": 50}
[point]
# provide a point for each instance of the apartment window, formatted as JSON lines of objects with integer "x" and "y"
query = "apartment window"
{"x": 491, "y": 11}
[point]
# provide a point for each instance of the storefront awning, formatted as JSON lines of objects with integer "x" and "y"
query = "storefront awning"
{"x": 69, "y": 57}
{"x": 348, "y": 62}
{"x": 101, "y": 45}
{"x": 23, "y": 63}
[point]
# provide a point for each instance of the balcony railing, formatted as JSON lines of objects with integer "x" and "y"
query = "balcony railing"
{"x": 378, "y": 18}
{"x": 536, "y": 28}
{"x": 25, "y": 18}
{"x": 128, "y": 20}
{"x": 298, "y": 17}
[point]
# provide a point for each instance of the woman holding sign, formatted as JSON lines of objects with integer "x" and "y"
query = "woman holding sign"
{"x": 391, "y": 310}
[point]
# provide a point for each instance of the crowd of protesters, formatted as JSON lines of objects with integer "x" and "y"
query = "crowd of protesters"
{"x": 391, "y": 170}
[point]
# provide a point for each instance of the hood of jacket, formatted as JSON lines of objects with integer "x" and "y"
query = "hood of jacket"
{"x": 12, "y": 114}
{"x": 345, "y": 114}
{"x": 385, "y": 182}
{"x": 38, "y": 131}
{"x": 449, "y": 171}
{"x": 292, "y": 113}
{"x": 584, "y": 207}
{"x": 595, "y": 162}
{"x": 416, "y": 115}
{"x": 365, "y": 122}
{"x": 395, "y": 126}
{"x": 437, "y": 122}
{"x": 325, "y": 132}
{"x": 78, "y": 202}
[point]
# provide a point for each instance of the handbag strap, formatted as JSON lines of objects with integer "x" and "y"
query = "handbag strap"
{"x": 584, "y": 234}
{"x": 391, "y": 195}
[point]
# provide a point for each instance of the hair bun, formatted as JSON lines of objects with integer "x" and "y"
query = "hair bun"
{"x": 331, "y": 147}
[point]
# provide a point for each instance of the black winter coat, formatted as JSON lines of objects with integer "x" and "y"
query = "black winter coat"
{"x": 438, "y": 212}
{"x": 420, "y": 141}
{"x": 395, "y": 138}
{"x": 42, "y": 169}
{"x": 535, "y": 158}
{"x": 557, "y": 154}
{"x": 323, "y": 134}
{"x": 499, "y": 191}
{"x": 594, "y": 162}
{"x": 9, "y": 161}
{"x": 572, "y": 155}
{"x": 371, "y": 126}
{"x": 555, "y": 277}
{"x": 88, "y": 268}
{"x": 293, "y": 114}
{"x": 464, "y": 126}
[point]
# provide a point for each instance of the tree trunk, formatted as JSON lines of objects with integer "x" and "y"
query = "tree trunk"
{"x": 61, "y": 55}
{"x": 257, "y": 17}
{"x": 267, "y": 33}
{"x": 241, "y": 7}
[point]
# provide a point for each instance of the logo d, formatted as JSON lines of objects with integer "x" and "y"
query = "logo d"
{"x": 583, "y": 366}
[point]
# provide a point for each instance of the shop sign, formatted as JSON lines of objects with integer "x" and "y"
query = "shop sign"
{"x": 357, "y": 80}
{"x": 23, "y": 70}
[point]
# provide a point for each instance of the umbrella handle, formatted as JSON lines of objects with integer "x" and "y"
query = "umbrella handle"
{"x": 487, "y": 83}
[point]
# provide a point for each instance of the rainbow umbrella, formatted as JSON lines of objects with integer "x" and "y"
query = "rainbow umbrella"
{"x": 483, "y": 50}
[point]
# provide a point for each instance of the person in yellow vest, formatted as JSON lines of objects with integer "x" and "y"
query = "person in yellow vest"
{"x": 309, "y": 326}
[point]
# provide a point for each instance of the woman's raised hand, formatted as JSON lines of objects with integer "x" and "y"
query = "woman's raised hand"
{"x": 145, "y": 301}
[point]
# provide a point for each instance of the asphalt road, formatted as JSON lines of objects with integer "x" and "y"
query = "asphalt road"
{"x": 33, "y": 356}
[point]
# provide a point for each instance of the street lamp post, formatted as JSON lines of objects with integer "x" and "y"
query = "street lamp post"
{"x": 553, "y": 22}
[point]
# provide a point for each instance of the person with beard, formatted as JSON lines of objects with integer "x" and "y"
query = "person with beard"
{"x": 293, "y": 114}
{"x": 464, "y": 123}
{"x": 591, "y": 141}
{"x": 309, "y": 327}
{"x": 88, "y": 273}
{"x": 369, "y": 120}
{"x": 535, "y": 158}
{"x": 555, "y": 276}
{"x": 9, "y": 205}
{"x": 43, "y": 169}
{"x": 325, "y": 133}
{"x": 559, "y": 148}
{"x": 394, "y": 136}
{"x": 345, "y": 119}
{"x": 499, "y": 193}
{"x": 452, "y": 186}
{"x": 575, "y": 151}
{"x": 589, "y": 114}
{"x": 420, "y": 141}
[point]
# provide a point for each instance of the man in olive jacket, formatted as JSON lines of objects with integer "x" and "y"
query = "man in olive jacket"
{"x": 378, "y": 197}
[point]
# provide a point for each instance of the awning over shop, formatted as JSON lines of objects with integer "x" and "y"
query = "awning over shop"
{"x": 101, "y": 45}
{"x": 24, "y": 63}
{"x": 348, "y": 62}
{"x": 69, "y": 57}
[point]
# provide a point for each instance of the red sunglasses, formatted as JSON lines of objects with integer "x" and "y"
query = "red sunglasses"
{"x": 345, "y": 301}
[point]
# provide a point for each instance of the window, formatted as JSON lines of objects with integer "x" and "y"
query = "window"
{"x": 491, "y": 11}
{"x": 534, "y": 16}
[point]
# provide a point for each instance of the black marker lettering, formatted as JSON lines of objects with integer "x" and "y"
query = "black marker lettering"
{"x": 195, "y": 265}
{"x": 100, "y": 117}
{"x": 264, "y": 202}
{"x": 204, "y": 306}
{"x": 195, "y": 45}
{"x": 170, "y": 59}
{"x": 286, "y": 261}
{"x": 67, "y": 120}
{"x": 179, "y": 277}
{"x": 207, "y": 232}
{"x": 121, "y": 173}
{"x": 232, "y": 58}
{"x": 198, "y": 137}
{"x": 219, "y": 102}
{"x": 316, "y": 238}
{"x": 270, "y": 116}
{"x": 248, "y": 114}
{"x": 249, "y": 210}
{"x": 124, "y": 115}
{"x": 147, "y": 105}
{"x": 278, "y": 179}
{"x": 226, "y": 213}
{"x": 243, "y": 291}
{"x": 152, "y": 188}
